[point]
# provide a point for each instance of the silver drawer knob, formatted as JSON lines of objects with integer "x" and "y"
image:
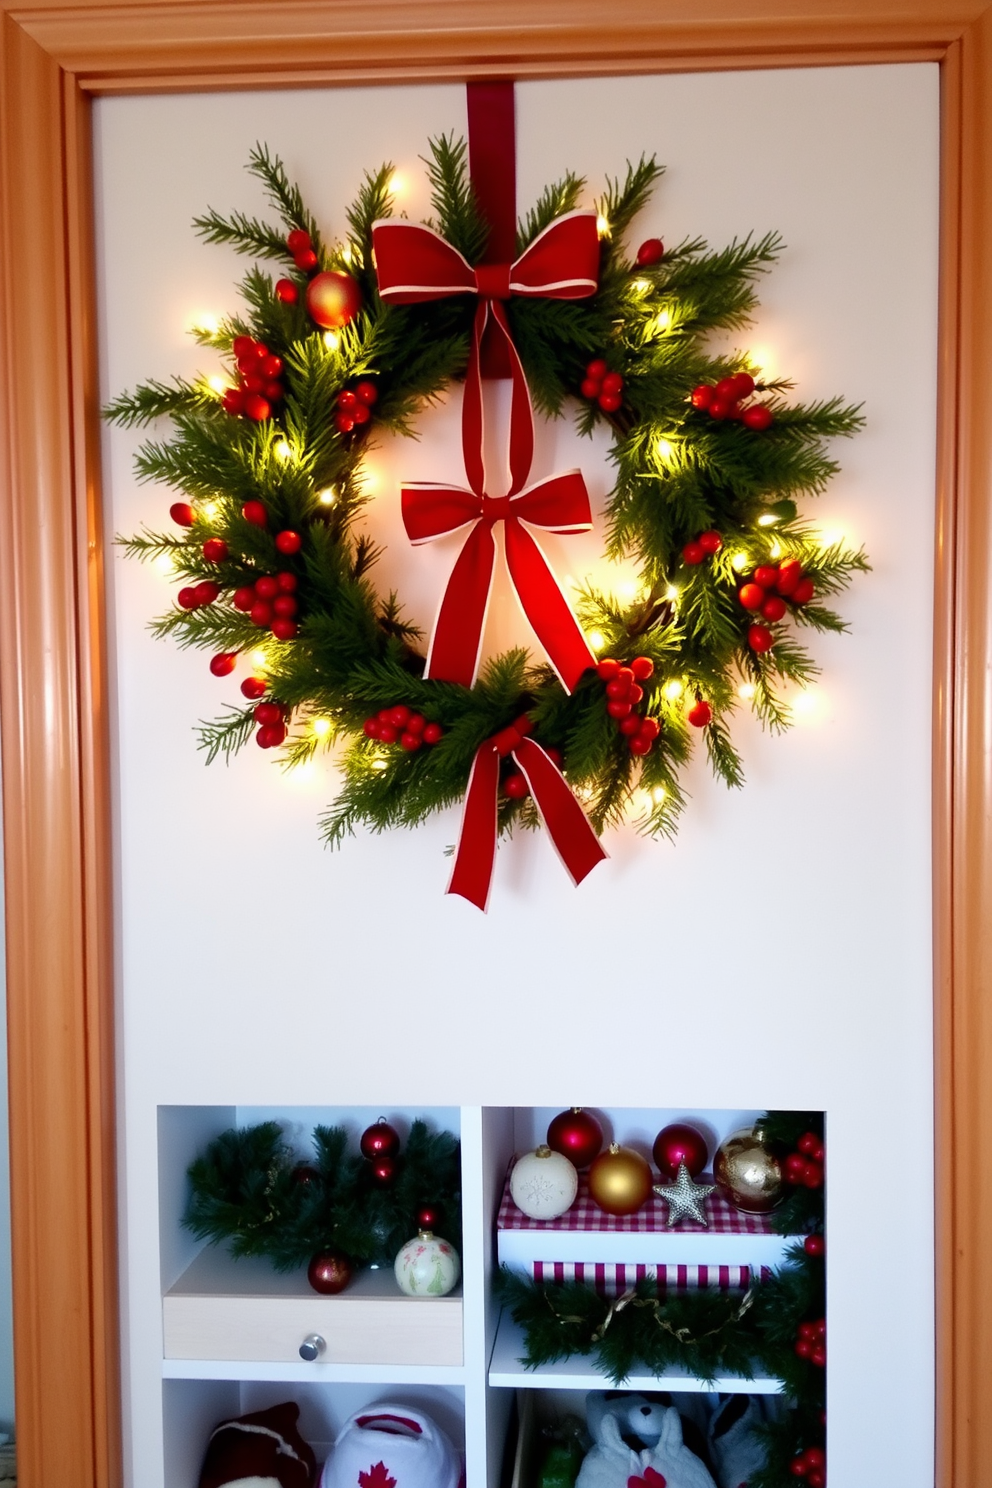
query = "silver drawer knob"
{"x": 312, "y": 1347}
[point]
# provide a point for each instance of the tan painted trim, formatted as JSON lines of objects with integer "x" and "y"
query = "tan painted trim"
{"x": 52, "y": 666}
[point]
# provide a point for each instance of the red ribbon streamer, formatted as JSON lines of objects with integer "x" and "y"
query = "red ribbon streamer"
{"x": 415, "y": 264}
{"x": 573, "y": 838}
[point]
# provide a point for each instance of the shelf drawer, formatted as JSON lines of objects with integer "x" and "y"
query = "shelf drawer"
{"x": 380, "y": 1330}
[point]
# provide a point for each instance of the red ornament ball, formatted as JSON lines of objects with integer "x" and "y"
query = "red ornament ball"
{"x": 677, "y": 1144}
{"x": 693, "y": 553}
{"x": 330, "y": 1272}
{"x": 577, "y": 1135}
{"x": 751, "y": 596}
{"x": 383, "y": 1171}
{"x": 428, "y": 1218}
{"x": 379, "y": 1140}
{"x": 206, "y": 591}
{"x": 650, "y": 252}
{"x": 515, "y": 786}
{"x": 223, "y": 664}
{"x": 710, "y": 542}
{"x": 815, "y": 1245}
{"x": 333, "y": 299}
{"x": 187, "y": 598}
{"x": 283, "y": 629}
{"x": 289, "y": 542}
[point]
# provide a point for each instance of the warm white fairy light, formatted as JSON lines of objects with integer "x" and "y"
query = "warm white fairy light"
{"x": 281, "y": 449}
{"x": 746, "y": 691}
{"x": 673, "y": 690}
{"x": 641, "y": 286}
{"x": 321, "y": 727}
{"x": 776, "y": 550}
{"x": 217, "y": 385}
{"x": 806, "y": 704}
{"x": 661, "y": 322}
{"x": 165, "y": 565}
{"x": 829, "y": 539}
{"x": 628, "y": 589}
{"x": 658, "y": 794}
{"x": 347, "y": 253}
{"x": 328, "y": 495}
{"x": 664, "y": 449}
{"x": 258, "y": 659}
{"x": 397, "y": 183}
{"x": 379, "y": 764}
{"x": 596, "y": 640}
{"x": 738, "y": 562}
{"x": 767, "y": 519}
{"x": 332, "y": 340}
{"x": 207, "y": 324}
{"x": 208, "y": 510}
{"x": 603, "y": 226}
{"x": 671, "y": 594}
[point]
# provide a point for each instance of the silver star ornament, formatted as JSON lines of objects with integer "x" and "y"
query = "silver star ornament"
{"x": 684, "y": 1198}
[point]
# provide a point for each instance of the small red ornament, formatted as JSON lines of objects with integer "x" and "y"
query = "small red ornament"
{"x": 383, "y": 1172}
{"x": 702, "y": 396}
{"x": 224, "y": 663}
{"x": 255, "y": 513}
{"x": 650, "y": 252}
{"x": 577, "y": 1135}
{"x": 693, "y": 553}
{"x": 261, "y": 613}
{"x": 367, "y": 393}
{"x": 773, "y": 608}
{"x": 432, "y": 733}
{"x": 766, "y": 574}
{"x": 243, "y": 598}
{"x": 642, "y": 668}
{"x": 254, "y": 687}
{"x": 285, "y": 605}
{"x": 215, "y": 550}
{"x": 700, "y": 714}
{"x": 182, "y": 514}
{"x": 380, "y": 1140}
{"x": 760, "y": 638}
{"x": 289, "y": 542}
{"x": 428, "y": 1218}
{"x": 267, "y": 587}
{"x": 267, "y": 713}
{"x": 333, "y": 299}
{"x": 286, "y": 291}
{"x": 789, "y": 574}
{"x": 815, "y": 1245}
{"x": 515, "y": 786}
{"x": 306, "y": 260}
{"x": 803, "y": 592}
{"x": 679, "y": 1144}
{"x": 298, "y": 240}
{"x": 305, "y": 1175}
{"x": 287, "y": 582}
{"x": 330, "y": 1272}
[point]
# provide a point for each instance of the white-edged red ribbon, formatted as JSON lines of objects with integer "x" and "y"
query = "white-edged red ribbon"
{"x": 414, "y": 265}
{"x": 566, "y": 823}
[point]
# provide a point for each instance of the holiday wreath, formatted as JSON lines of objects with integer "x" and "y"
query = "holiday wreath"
{"x": 355, "y": 338}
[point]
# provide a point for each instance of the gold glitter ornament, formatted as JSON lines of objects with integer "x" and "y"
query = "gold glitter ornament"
{"x": 748, "y": 1173}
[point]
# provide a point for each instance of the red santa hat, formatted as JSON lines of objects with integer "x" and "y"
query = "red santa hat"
{"x": 261, "y": 1450}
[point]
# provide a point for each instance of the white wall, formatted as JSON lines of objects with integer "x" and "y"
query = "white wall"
{"x": 779, "y": 953}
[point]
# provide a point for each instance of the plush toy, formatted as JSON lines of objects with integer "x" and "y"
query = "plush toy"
{"x": 261, "y": 1450}
{"x": 658, "y": 1458}
{"x": 735, "y": 1451}
{"x": 391, "y": 1446}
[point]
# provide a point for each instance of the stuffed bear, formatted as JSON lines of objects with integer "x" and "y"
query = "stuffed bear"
{"x": 261, "y": 1450}
{"x": 661, "y": 1461}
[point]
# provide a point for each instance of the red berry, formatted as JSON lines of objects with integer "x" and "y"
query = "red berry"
{"x": 789, "y": 574}
{"x": 710, "y": 542}
{"x": 272, "y": 366}
{"x": 650, "y": 252}
{"x": 727, "y": 388}
{"x": 206, "y": 592}
{"x": 254, "y": 687}
{"x": 254, "y": 381}
{"x": 233, "y": 400}
{"x": 760, "y": 638}
{"x": 410, "y": 742}
{"x": 287, "y": 582}
{"x": 399, "y": 715}
{"x": 607, "y": 668}
{"x": 267, "y": 713}
{"x": 821, "y": 1328}
{"x": 797, "y": 1467}
{"x": 818, "y": 1356}
{"x": 258, "y": 408}
{"x": 285, "y": 605}
{"x": 618, "y": 688}
{"x": 619, "y": 708}
{"x": 387, "y": 733}
{"x": 289, "y": 542}
{"x": 816, "y": 1458}
{"x": 367, "y": 393}
{"x": 700, "y": 714}
{"x": 305, "y": 261}
{"x": 267, "y": 587}
{"x": 693, "y": 553}
{"x": 298, "y": 240}
{"x": 702, "y": 396}
{"x": 626, "y": 674}
{"x": 243, "y": 599}
{"x": 344, "y": 423}
{"x": 589, "y": 388}
{"x": 361, "y": 414}
{"x": 284, "y": 629}
{"x": 806, "y": 1330}
{"x": 610, "y": 402}
{"x": 272, "y": 735}
{"x": 215, "y": 550}
{"x": 432, "y": 733}
{"x": 816, "y": 1478}
{"x": 370, "y": 728}
{"x": 383, "y": 715}
{"x": 650, "y": 728}
{"x": 743, "y": 384}
{"x": 630, "y": 726}
{"x": 182, "y": 514}
{"x": 224, "y": 663}
{"x": 241, "y": 345}
{"x": 635, "y": 694}
{"x": 597, "y": 369}
{"x": 555, "y": 756}
{"x": 795, "y": 1166}
{"x": 261, "y": 613}
{"x": 803, "y": 592}
{"x": 766, "y": 575}
{"x": 642, "y": 668}
{"x": 347, "y": 400}
{"x": 803, "y": 1348}
{"x": 813, "y": 1175}
{"x": 759, "y": 416}
{"x": 640, "y": 744}
{"x": 820, "y": 1153}
{"x": 187, "y": 598}
{"x": 416, "y": 723}
{"x": 612, "y": 383}
{"x": 286, "y": 291}
{"x": 751, "y": 596}
{"x": 516, "y": 787}
{"x": 773, "y": 608}
{"x": 255, "y": 513}
{"x": 273, "y": 391}
{"x": 808, "y": 1143}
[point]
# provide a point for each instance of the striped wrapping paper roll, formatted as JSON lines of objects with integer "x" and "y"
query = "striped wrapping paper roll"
{"x": 613, "y": 1279}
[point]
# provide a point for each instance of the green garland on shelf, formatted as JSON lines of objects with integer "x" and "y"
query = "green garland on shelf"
{"x": 680, "y": 470}
{"x": 250, "y": 1190}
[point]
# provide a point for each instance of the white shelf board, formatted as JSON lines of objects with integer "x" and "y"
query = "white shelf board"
{"x": 577, "y": 1373}
{"x": 313, "y": 1374}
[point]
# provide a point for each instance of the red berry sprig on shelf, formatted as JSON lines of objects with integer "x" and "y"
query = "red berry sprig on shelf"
{"x": 271, "y": 604}
{"x": 355, "y": 406}
{"x": 259, "y": 380}
{"x": 723, "y": 399}
{"x": 271, "y": 720}
{"x": 301, "y": 248}
{"x": 804, "y": 1167}
{"x": 811, "y": 1465}
{"x": 602, "y": 386}
{"x": 811, "y": 1342}
{"x": 401, "y": 725}
{"x": 703, "y": 546}
{"x": 623, "y": 693}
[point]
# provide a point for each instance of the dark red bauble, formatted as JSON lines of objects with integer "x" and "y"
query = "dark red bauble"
{"x": 330, "y": 1272}
{"x": 577, "y": 1135}
{"x": 383, "y": 1171}
{"x": 428, "y": 1218}
{"x": 815, "y": 1245}
{"x": 305, "y": 1175}
{"x": 650, "y": 252}
{"x": 283, "y": 629}
{"x": 380, "y": 1140}
{"x": 333, "y": 299}
{"x": 678, "y": 1144}
{"x": 693, "y": 553}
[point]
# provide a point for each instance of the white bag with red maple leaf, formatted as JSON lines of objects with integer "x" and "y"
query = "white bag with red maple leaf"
{"x": 391, "y": 1446}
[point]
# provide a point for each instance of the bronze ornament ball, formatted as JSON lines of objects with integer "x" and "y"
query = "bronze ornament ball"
{"x": 329, "y": 1272}
{"x": 748, "y": 1173}
{"x": 620, "y": 1180}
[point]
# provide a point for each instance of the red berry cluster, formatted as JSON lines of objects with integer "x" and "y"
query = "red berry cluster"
{"x": 811, "y": 1342}
{"x": 194, "y": 595}
{"x": 603, "y": 385}
{"x": 401, "y": 725}
{"x": 271, "y": 604}
{"x": 722, "y": 400}
{"x": 811, "y": 1465}
{"x": 515, "y": 784}
{"x": 355, "y": 406}
{"x": 805, "y": 1167}
{"x": 766, "y": 593}
{"x": 651, "y": 251}
{"x": 623, "y": 693}
{"x": 271, "y": 720}
{"x": 301, "y": 248}
{"x": 259, "y": 381}
{"x": 703, "y": 546}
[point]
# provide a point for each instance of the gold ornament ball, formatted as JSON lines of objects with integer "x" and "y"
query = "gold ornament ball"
{"x": 333, "y": 299}
{"x": 620, "y": 1180}
{"x": 748, "y": 1173}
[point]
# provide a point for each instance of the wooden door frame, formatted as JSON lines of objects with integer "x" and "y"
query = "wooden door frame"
{"x": 53, "y": 667}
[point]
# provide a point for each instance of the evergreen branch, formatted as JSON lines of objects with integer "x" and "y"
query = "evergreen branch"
{"x": 153, "y": 399}
{"x": 453, "y": 199}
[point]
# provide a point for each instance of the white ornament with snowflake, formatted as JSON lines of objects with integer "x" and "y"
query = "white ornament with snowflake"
{"x": 543, "y": 1184}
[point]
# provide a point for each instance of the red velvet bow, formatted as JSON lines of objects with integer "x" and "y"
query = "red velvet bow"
{"x": 651, "y": 1479}
{"x": 415, "y": 264}
{"x": 574, "y": 839}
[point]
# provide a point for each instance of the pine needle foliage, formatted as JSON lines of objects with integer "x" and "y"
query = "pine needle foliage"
{"x": 678, "y": 472}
